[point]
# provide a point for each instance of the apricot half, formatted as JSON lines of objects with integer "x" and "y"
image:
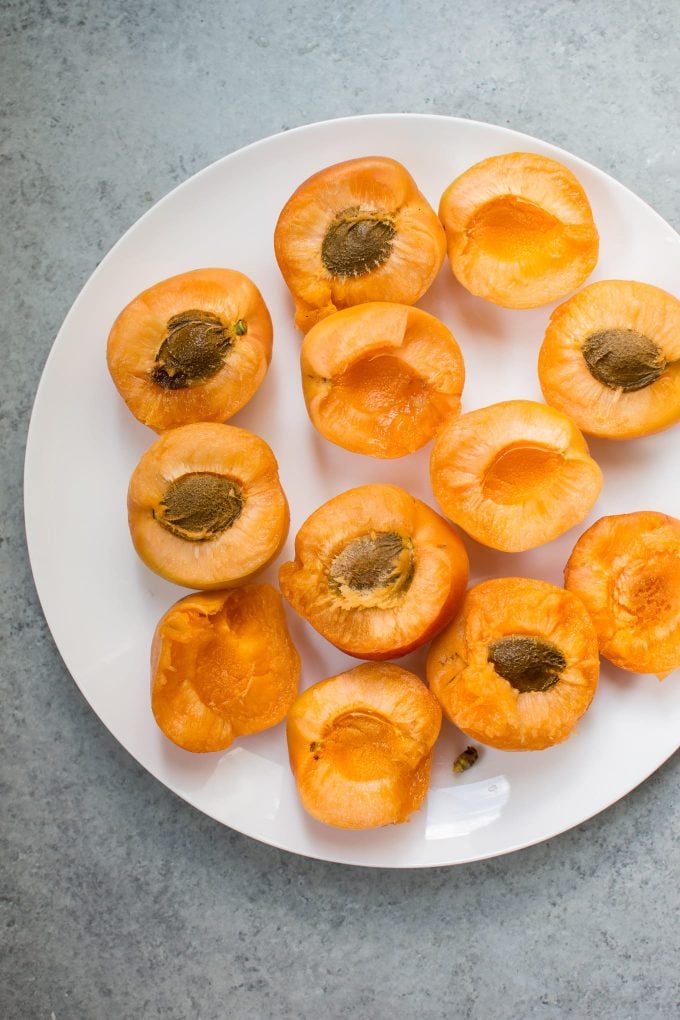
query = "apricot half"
{"x": 360, "y": 746}
{"x": 357, "y": 231}
{"x": 381, "y": 378}
{"x": 518, "y": 666}
{"x": 626, "y": 569}
{"x": 611, "y": 359}
{"x": 519, "y": 230}
{"x": 192, "y": 348}
{"x": 222, "y": 665}
{"x": 376, "y": 572}
{"x": 205, "y": 506}
{"x": 514, "y": 475}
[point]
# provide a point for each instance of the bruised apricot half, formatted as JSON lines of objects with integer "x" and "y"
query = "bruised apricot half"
{"x": 205, "y": 506}
{"x": 611, "y": 359}
{"x": 381, "y": 378}
{"x": 376, "y": 572}
{"x": 626, "y": 569}
{"x": 514, "y": 475}
{"x": 357, "y": 231}
{"x": 519, "y": 230}
{"x": 192, "y": 348}
{"x": 222, "y": 665}
{"x": 518, "y": 666}
{"x": 360, "y": 746}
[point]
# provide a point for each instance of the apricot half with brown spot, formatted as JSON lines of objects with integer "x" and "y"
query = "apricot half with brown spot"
{"x": 519, "y": 230}
{"x": 376, "y": 572}
{"x": 360, "y": 746}
{"x": 381, "y": 378}
{"x": 354, "y": 232}
{"x": 518, "y": 666}
{"x": 626, "y": 569}
{"x": 192, "y": 348}
{"x": 205, "y": 506}
{"x": 514, "y": 475}
{"x": 222, "y": 665}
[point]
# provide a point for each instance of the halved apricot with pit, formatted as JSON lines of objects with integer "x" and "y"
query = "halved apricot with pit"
{"x": 360, "y": 746}
{"x": 519, "y": 230}
{"x": 518, "y": 666}
{"x": 376, "y": 571}
{"x": 192, "y": 348}
{"x": 611, "y": 359}
{"x": 205, "y": 506}
{"x": 222, "y": 665}
{"x": 514, "y": 475}
{"x": 626, "y": 569}
{"x": 381, "y": 378}
{"x": 357, "y": 231}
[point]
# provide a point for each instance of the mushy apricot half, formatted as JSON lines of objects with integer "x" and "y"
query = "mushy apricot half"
{"x": 611, "y": 359}
{"x": 205, "y": 506}
{"x": 514, "y": 475}
{"x": 192, "y": 348}
{"x": 381, "y": 378}
{"x": 357, "y": 231}
{"x": 626, "y": 570}
{"x": 518, "y": 666}
{"x": 519, "y": 230}
{"x": 376, "y": 572}
{"x": 360, "y": 746}
{"x": 222, "y": 665}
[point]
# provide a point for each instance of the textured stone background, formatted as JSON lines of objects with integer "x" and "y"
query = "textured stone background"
{"x": 118, "y": 900}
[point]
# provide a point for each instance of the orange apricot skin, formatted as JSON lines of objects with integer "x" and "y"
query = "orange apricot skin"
{"x": 141, "y": 327}
{"x": 380, "y": 378}
{"x": 519, "y": 230}
{"x": 363, "y": 784}
{"x": 626, "y": 570}
{"x": 251, "y": 678}
{"x": 378, "y": 185}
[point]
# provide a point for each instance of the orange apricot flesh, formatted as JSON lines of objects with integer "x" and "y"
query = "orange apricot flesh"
{"x": 360, "y": 746}
{"x": 381, "y": 378}
{"x": 626, "y": 570}
{"x": 518, "y": 666}
{"x": 514, "y": 475}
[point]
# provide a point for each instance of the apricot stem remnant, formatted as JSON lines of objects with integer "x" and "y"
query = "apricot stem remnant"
{"x": 466, "y": 759}
{"x": 356, "y": 243}
{"x": 623, "y": 359}
{"x": 199, "y": 506}
{"x": 528, "y": 663}
{"x": 194, "y": 349}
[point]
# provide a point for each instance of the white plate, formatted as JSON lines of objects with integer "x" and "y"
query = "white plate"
{"x": 102, "y": 604}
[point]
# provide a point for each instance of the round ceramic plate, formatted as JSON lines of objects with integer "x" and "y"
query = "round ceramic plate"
{"x": 102, "y": 604}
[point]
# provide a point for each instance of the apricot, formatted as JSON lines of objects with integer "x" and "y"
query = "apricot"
{"x": 518, "y": 666}
{"x": 360, "y": 746}
{"x": 222, "y": 665}
{"x": 192, "y": 348}
{"x": 519, "y": 230}
{"x": 381, "y": 378}
{"x": 611, "y": 359}
{"x": 357, "y": 231}
{"x": 626, "y": 569}
{"x": 205, "y": 506}
{"x": 376, "y": 572}
{"x": 514, "y": 475}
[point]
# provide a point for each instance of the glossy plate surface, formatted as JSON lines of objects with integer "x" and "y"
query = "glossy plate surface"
{"x": 102, "y": 604}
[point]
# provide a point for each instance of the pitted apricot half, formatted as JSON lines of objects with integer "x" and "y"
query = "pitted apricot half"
{"x": 376, "y": 572}
{"x": 518, "y": 666}
{"x": 360, "y": 746}
{"x": 205, "y": 506}
{"x": 381, "y": 378}
{"x": 222, "y": 665}
{"x": 519, "y": 230}
{"x": 357, "y": 231}
{"x": 192, "y": 348}
{"x": 514, "y": 475}
{"x": 611, "y": 359}
{"x": 626, "y": 569}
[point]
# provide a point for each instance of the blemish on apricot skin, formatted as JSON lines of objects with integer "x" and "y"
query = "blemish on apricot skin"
{"x": 199, "y": 506}
{"x": 357, "y": 242}
{"x": 623, "y": 359}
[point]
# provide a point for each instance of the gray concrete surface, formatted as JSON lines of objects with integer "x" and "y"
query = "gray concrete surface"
{"x": 118, "y": 900}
